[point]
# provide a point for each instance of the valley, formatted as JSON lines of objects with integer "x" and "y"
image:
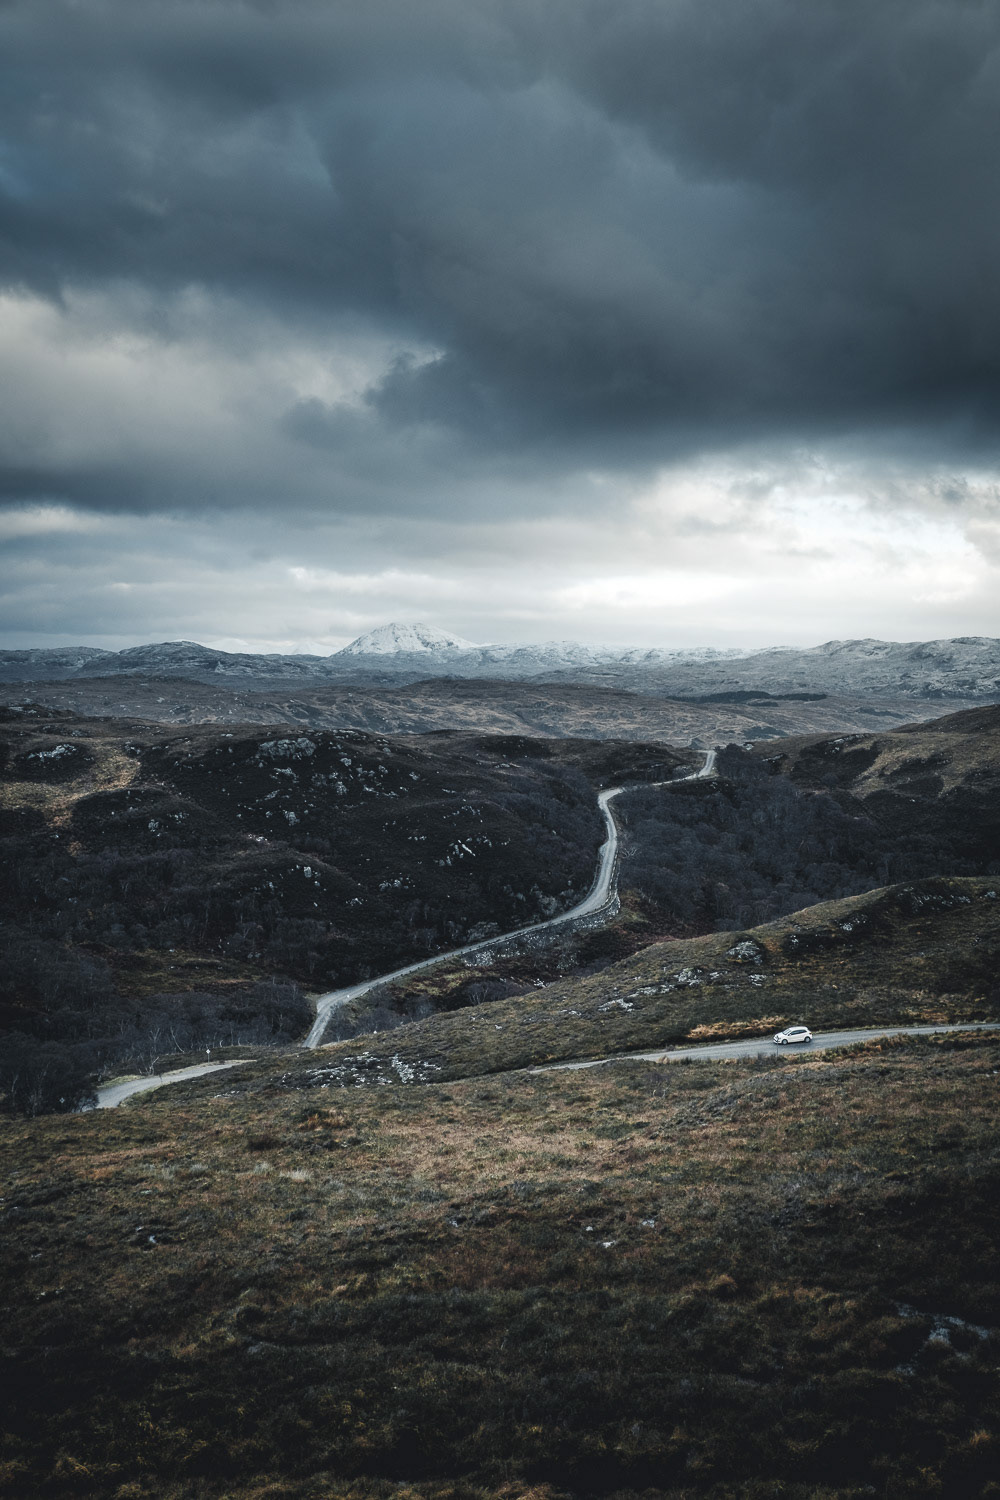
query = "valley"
{"x": 178, "y": 888}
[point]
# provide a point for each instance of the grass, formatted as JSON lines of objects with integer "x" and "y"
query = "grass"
{"x": 729, "y": 1279}
{"x": 112, "y": 770}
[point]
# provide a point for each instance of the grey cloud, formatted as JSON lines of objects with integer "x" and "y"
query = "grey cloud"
{"x": 624, "y": 233}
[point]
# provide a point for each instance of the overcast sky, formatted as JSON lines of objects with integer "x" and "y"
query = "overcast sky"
{"x": 661, "y": 322}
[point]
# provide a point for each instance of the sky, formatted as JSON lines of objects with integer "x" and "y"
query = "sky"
{"x": 653, "y": 322}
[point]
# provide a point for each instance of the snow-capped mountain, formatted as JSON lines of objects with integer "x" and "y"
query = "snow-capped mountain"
{"x": 393, "y": 639}
{"x": 402, "y": 642}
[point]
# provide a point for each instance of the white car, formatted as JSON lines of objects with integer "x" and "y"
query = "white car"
{"x": 792, "y": 1034}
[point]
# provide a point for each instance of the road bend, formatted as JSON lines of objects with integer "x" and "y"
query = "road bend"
{"x": 601, "y": 901}
{"x": 113, "y": 1094}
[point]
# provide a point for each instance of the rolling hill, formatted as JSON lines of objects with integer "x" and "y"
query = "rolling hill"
{"x": 941, "y": 777}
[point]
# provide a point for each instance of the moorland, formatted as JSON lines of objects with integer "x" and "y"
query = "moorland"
{"x": 726, "y": 1280}
{"x": 424, "y": 1261}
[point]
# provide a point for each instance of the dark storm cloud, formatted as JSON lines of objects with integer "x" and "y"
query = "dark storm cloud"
{"x": 612, "y": 231}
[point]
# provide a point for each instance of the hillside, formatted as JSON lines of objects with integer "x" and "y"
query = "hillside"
{"x": 850, "y": 812}
{"x": 157, "y": 882}
{"x": 928, "y": 951}
{"x": 722, "y": 1281}
{"x": 941, "y": 776}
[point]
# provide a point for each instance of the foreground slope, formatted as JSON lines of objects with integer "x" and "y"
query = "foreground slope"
{"x": 726, "y": 1281}
{"x": 396, "y": 1265}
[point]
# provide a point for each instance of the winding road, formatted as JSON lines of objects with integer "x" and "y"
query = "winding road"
{"x": 600, "y": 900}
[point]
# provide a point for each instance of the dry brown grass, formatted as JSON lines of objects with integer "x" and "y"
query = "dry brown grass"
{"x": 112, "y": 770}
{"x": 557, "y": 1279}
{"x": 733, "y": 1030}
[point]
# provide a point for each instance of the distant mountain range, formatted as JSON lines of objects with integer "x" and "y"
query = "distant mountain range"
{"x": 965, "y": 669}
{"x": 400, "y": 652}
